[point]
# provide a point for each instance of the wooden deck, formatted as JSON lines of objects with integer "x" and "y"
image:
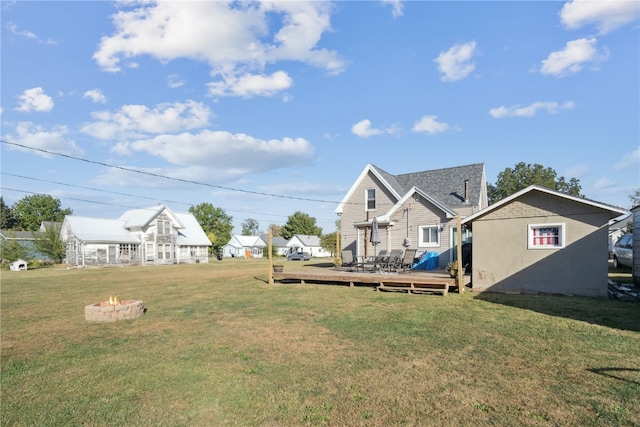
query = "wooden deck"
{"x": 410, "y": 281}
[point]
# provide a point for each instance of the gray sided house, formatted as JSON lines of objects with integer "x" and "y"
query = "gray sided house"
{"x": 154, "y": 235}
{"x": 414, "y": 210}
{"x": 541, "y": 241}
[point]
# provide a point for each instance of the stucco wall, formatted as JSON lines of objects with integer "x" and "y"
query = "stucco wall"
{"x": 502, "y": 261}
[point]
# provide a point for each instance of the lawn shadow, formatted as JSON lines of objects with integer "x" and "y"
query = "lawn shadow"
{"x": 607, "y": 372}
{"x": 607, "y": 312}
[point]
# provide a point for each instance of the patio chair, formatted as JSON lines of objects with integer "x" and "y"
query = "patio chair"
{"x": 395, "y": 256}
{"x": 348, "y": 260}
{"x": 374, "y": 262}
{"x": 407, "y": 260}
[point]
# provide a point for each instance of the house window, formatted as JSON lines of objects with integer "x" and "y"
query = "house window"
{"x": 149, "y": 252}
{"x": 429, "y": 236}
{"x": 546, "y": 236}
{"x": 371, "y": 199}
{"x": 128, "y": 251}
{"x": 164, "y": 227}
{"x": 164, "y": 251}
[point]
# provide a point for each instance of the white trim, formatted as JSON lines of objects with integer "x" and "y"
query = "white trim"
{"x": 366, "y": 199}
{"x": 561, "y": 236}
{"x": 514, "y": 196}
{"x": 422, "y": 243}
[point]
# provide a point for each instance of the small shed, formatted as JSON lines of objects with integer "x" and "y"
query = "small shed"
{"x": 541, "y": 241}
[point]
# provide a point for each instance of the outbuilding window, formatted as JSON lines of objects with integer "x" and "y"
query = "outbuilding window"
{"x": 546, "y": 236}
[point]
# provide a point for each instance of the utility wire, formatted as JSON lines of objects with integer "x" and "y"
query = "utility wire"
{"x": 156, "y": 175}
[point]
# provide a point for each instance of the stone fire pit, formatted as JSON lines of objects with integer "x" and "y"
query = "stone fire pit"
{"x": 110, "y": 311}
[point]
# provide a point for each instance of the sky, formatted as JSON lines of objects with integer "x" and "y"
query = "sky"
{"x": 267, "y": 108}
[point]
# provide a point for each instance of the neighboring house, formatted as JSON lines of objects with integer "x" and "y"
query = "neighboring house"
{"x": 244, "y": 246}
{"x": 414, "y": 210}
{"x": 306, "y": 243}
{"x": 154, "y": 235}
{"x": 278, "y": 243}
{"x": 617, "y": 228}
{"x": 541, "y": 241}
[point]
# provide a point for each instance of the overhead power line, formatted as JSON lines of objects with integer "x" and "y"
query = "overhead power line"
{"x": 156, "y": 175}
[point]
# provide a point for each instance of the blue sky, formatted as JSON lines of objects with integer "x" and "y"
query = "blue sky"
{"x": 265, "y": 108}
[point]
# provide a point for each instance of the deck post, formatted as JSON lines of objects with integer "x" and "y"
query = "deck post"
{"x": 270, "y": 263}
{"x": 459, "y": 253}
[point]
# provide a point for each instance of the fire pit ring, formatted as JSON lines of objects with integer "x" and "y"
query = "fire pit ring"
{"x": 107, "y": 312}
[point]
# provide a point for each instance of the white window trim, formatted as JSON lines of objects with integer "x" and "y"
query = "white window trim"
{"x": 561, "y": 234}
{"x": 423, "y": 244}
{"x": 366, "y": 199}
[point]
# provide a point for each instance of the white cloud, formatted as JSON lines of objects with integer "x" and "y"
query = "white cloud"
{"x": 174, "y": 81}
{"x": 221, "y": 155}
{"x": 36, "y": 136}
{"x": 95, "y": 95}
{"x": 550, "y": 107}
{"x": 396, "y": 7}
{"x": 628, "y": 160}
{"x": 363, "y": 129}
{"x": 605, "y": 15}
{"x": 572, "y": 58}
{"x": 604, "y": 183}
{"x": 248, "y": 85}
{"x": 13, "y": 28}
{"x": 137, "y": 120}
{"x": 455, "y": 64}
{"x": 237, "y": 39}
{"x": 430, "y": 125}
{"x": 35, "y": 99}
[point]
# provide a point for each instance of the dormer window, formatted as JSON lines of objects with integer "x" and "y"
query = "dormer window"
{"x": 371, "y": 199}
{"x": 164, "y": 227}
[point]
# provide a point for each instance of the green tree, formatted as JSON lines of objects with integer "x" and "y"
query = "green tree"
{"x": 215, "y": 222}
{"x": 635, "y": 198}
{"x": 328, "y": 242}
{"x": 300, "y": 223}
{"x": 11, "y": 249}
{"x": 275, "y": 229}
{"x": 50, "y": 243}
{"x": 30, "y": 211}
{"x": 511, "y": 181}
{"x": 7, "y": 221}
{"x": 250, "y": 227}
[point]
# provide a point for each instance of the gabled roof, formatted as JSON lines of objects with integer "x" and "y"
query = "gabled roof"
{"x": 238, "y": 241}
{"x": 449, "y": 213}
{"x": 19, "y": 235}
{"x": 444, "y": 186}
{"x": 614, "y": 211}
{"x": 306, "y": 240}
{"x": 140, "y": 218}
{"x": 277, "y": 241}
{"x": 98, "y": 230}
{"x": 191, "y": 233}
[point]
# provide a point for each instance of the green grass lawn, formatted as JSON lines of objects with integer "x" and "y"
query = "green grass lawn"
{"x": 219, "y": 346}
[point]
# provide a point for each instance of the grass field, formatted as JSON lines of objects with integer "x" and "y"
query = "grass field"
{"x": 219, "y": 346}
